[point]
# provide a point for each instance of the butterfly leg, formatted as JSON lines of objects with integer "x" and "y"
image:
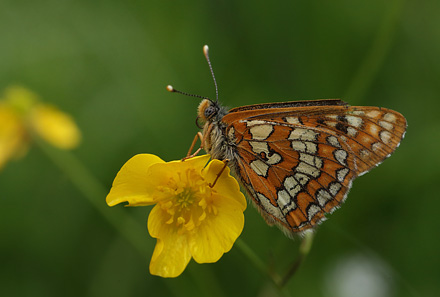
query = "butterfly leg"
{"x": 193, "y": 144}
{"x": 225, "y": 163}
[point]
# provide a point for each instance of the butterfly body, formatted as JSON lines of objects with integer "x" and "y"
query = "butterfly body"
{"x": 297, "y": 160}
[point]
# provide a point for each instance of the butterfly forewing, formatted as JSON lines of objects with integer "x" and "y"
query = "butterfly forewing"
{"x": 298, "y": 159}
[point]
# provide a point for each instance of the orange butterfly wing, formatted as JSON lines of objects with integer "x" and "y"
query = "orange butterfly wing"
{"x": 298, "y": 159}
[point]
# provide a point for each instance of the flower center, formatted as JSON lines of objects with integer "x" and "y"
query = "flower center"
{"x": 184, "y": 200}
{"x": 188, "y": 204}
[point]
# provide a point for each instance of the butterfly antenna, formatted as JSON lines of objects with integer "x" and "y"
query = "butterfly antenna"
{"x": 171, "y": 89}
{"x": 206, "y": 52}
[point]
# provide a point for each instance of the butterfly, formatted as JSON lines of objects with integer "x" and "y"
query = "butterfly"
{"x": 297, "y": 160}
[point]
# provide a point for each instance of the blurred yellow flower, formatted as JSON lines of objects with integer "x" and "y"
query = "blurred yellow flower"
{"x": 191, "y": 219}
{"x": 22, "y": 116}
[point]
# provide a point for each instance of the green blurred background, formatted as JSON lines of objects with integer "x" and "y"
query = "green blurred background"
{"x": 107, "y": 63}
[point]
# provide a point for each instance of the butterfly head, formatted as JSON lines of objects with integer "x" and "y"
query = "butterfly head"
{"x": 208, "y": 110}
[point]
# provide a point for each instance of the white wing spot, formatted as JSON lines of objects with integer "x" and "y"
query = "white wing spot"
{"x": 274, "y": 159}
{"x": 334, "y": 188}
{"x": 290, "y": 182}
{"x": 292, "y": 186}
{"x": 283, "y": 198}
{"x": 302, "y": 178}
{"x": 373, "y": 113}
{"x": 374, "y": 130}
{"x": 342, "y": 173}
{"x": 304, "y": 146}
{"x": 261, "y": 132}
{"x": 390, "y": 117}
{"x": 231, "y": 133}
{"x": 354, "y": 121}
{"x": 308, "y": 169}
{"x": 311, "y": 148}
{"x": 259, "y": 167}
{"x": 312, "y": 211}
{"x": 311, "y": 160}
{"x": 303, "y": 134}
{"x": 254, "y": 122}
{"x": 285, "y": 202}
{"x": 341, "y": 156}
{"x": 292, "y": 120}
{"x": 330, "y": 124}
{"x": 386, "y": 125}
{"x": 333, "y": 141}
{"x": 385, "y": 136}
{"x": 323, "y": 197}
{"x": 358, "y": 112}
{"x": 351, "y": 131}
{"x": 270, "y": 208}
{"x": 376, "y": 146}
{"x": 259, "y": 147}
{"x": 299, "y": 146}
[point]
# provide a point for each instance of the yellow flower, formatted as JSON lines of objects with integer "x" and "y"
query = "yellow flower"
{"x": 22, "y": 116}
{"x": 191, "y": 219}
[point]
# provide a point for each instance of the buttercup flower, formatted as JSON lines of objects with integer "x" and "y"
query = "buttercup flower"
{"x": 191, "y": 219}
{"x": 22, "y": 116}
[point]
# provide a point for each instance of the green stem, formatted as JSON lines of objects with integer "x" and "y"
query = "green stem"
{"x": 261, "y": 266}
{"x": 95, "y": 193}
{"x": 377, "y": 53}
{"x": 304, "y": 249}
{"x": 254, "y": 259}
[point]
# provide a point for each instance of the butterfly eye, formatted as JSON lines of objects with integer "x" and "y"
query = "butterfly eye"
{"x": 210, "y": 111}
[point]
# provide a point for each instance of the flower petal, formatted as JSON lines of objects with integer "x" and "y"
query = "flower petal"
{"x": 226, "y": 184}
{"x": 170, "y": 257}
{"x": 171, "y": 254}
{"x": 225, "y": 222}
{"x": 164, "y": 174}
{"x": 130, "y": 184}
{"x": 12, "y": 135}
{"x": 20, "y": 98}
{"x": 157, "y": 222}
{"x": 219, "y": 231}
{"x": 166, "y": 170}
{"x": 55, "y": 126}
